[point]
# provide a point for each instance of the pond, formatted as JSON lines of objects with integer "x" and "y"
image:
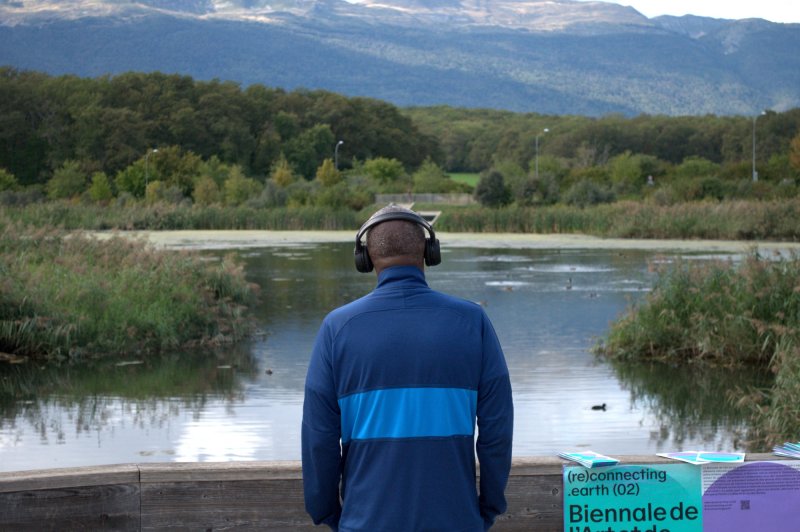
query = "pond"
{"x": 549, "y": 307}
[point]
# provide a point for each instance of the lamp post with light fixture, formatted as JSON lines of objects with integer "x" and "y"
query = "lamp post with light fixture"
{"x": 536, "y": 171}
{"x": 147, "y": 169}
{"x": 336, "y": 154}
{"x": 755, "y": 173}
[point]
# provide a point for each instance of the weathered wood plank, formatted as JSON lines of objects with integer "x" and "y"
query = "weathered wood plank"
{"x": 240, "y": 495}
{"x": 92, "y": 507}
{"x": 77, "y": 498}
{"x": 222, "y": 505}
{"x": 219, "y": 471}
{"x": 69, "y": 477}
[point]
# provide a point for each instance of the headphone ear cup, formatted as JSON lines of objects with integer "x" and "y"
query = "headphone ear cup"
{"x": 433, "y": 253}
{"x": 362, "y": 260}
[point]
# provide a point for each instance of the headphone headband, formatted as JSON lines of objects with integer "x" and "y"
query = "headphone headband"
{"x": 432, "y": 252}
{"x": 408, "y": 216}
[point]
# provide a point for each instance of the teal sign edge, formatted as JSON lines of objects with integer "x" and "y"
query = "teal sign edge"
{"x": 633, "y": 498}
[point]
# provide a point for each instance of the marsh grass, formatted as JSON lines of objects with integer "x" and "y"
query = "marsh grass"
{"x": 728, "y": 220}
{"x": 162, "y": 216}
{"x": 723, "y": 314}
{"x": 67, "y": 296}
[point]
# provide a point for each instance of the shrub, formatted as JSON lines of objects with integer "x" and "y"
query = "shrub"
{"x": 722, "y": 314}
{"x": 78, "y": 296}
{"x": 100, "y": 189}
{"x": 67, "y": 181}
{"x": 282, "y": 173}
{"x": 585, "y": 193}
{"x": 491, "y": 190}
{"x": 238, "y": 188}
{"x": 384, "y": 170}
{"x": 327, "y": 175}
{"x": 7, "y": 180}
{"x": 206, "y": 192}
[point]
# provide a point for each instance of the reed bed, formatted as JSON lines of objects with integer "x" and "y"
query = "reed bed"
{"x": 725, "y": 314}
{"x": 162, "y": 216}
{"x": 71, "y": 296}
{"x": 729, "y": 220}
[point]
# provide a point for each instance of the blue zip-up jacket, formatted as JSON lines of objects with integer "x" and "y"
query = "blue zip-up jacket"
{"x": 395, "y": 384}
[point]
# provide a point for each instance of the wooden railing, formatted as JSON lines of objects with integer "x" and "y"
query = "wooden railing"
{"x": 229, "y": 495}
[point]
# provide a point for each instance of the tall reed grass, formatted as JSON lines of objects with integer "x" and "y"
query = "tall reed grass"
{"x": 162, "y": 216}
{"x": 720, "y": 313}
{"x": 729, "y": 220}
{"x": 68, "y": 296}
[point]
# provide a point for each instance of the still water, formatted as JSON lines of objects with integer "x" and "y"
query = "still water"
{"x": 245, "y": 403}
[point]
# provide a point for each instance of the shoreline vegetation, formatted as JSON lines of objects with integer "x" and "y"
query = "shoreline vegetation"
{"x": 743, "y": 316}
{"x": 768, "y": 220}
{"x": 68, "y": 297}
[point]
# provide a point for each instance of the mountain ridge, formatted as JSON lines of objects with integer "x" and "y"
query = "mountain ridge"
{"x": 607, "y": 60}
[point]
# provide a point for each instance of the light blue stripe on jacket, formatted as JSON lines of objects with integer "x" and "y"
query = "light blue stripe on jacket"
{"x": 408, "y": 413}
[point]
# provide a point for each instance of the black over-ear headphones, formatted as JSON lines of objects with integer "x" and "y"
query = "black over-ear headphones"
{"x": 433, "y": 254}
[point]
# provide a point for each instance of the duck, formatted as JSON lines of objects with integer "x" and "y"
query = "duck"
{"x": 569, "y": 284}
{"x": 599, "y": 407}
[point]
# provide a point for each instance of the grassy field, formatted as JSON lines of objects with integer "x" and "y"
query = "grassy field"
{"x": 470, "y": 179}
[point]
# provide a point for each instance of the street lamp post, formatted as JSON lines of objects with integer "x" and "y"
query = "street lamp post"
{"x": 146, "y": 168}
{"x": 336, "y": 154}
{"x": 755, "y": 173}
{"x": 536, "y": 172}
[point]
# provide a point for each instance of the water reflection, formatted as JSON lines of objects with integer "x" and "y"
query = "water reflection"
{"x": 548, "y": 308}
{"x": 689, "y": 403}
{"x": 111, "y": 413}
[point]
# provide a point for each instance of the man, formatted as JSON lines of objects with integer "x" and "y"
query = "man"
{"x": 395, "y": 384}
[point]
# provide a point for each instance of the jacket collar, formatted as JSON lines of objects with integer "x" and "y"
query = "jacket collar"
{"x": 401, "y": 275}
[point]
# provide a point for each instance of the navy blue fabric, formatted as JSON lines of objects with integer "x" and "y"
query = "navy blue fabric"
{"x": 408, "y": 352}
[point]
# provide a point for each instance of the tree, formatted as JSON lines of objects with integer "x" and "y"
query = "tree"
{"x": 585, "y": 193}
{"x": 307, "y": 150}
{"x": 537, "y": 191}
{"x": 334, "y": 196}
{"x": 430, "y": 178}
{"x": 327, "y": 175}
{"x": 794, "y": 152}
{"x": 384, "y": 170}
{"x": 206, "y": 191}
{"x": 282, "y": 173}
{"x": 7, "y": 180}
{"x": 625, "y": 170}
{"x": 491, "y": 190}
{"x": 154, "y": 192}
{"x": 132, "y": 179}
{"x": 238, "y": 188}
{"x": 693, "y": 167}
{"x": 67, "y": 181}
{"x": 175, "y": 167}
{"x": 100, "y": 189}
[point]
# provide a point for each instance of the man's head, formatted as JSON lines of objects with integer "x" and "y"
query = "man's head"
{"x": 396, "y": 237}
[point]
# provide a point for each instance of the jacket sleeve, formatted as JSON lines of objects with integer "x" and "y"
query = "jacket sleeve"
{"x": 495, "y": 428}
{"x": 321, "y": 432}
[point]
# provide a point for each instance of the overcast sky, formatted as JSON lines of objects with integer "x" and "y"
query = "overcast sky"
{"x": 774, "y": 10}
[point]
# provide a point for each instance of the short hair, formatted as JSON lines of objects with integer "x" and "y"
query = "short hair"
{"x": 396, "y": 238}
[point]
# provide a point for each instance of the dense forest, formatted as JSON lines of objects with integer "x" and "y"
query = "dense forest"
{"x": 108, "y": 123}
{"x": 172, "y": 138}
